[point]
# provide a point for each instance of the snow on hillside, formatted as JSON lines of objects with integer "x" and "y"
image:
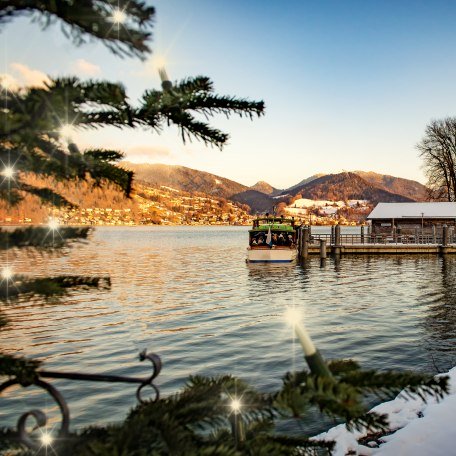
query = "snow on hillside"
{"x": 422, "y": 429}
{"x": 304, "y": 202}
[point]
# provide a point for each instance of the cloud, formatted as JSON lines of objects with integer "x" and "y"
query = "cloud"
{"x": 146, "y": 153}
{"x": 86, "y": 68}
{"x": 26, "y": 76}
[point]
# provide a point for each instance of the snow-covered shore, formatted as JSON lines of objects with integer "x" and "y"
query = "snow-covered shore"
{"x": 422, "y": 429}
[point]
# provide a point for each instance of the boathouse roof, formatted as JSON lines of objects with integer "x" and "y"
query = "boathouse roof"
{"x": 413, "y": 210}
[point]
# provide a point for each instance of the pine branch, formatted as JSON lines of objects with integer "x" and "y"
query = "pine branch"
{"x": 215, "y": 104}
{"x": 388, "y": 384}
{"x": 46, "y": 195}
{"x": 342, "y": 396}
{"x": 40, "y": 237}
{"x": 90, "y": 20}
{"x": 30, "y": 136}
{"x": 21, "y": 368}
{"x": 48, "y": 286}
{"x": 193, "y": 85}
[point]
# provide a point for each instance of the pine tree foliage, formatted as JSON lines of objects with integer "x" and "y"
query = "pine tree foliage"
{"x": 342, "y": 396}
{"x": 31, "y": 128}
{"x": 82, "y": 20}
{"x": 177, "y": 103}
{"x": 22, "y": 369}
{"x": 200, "y": 419}
{"x": 42, "y": 237}
{"x": 31, "y": 139}
{"x": 48, "y": 286}
{"x": 45, "y": 241}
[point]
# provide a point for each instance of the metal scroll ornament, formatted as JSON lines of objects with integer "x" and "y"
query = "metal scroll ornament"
{"x": 40, "y": 417}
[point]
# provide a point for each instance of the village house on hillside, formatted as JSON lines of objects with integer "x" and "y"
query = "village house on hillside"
{"x": 408, "y": 217}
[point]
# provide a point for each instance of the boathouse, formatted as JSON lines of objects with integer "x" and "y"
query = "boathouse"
{"x": 404, "y": 218}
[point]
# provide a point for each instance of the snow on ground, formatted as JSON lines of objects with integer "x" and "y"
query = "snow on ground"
{"x": 304, "y": 202}
{"x": 424, "y": 429}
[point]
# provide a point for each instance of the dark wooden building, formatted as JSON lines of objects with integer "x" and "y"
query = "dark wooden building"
{"x": 407, "y": 218}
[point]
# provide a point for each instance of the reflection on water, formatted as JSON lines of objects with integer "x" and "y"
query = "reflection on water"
{"x": 440, "y": 321}
{"x": 187, "y": 294}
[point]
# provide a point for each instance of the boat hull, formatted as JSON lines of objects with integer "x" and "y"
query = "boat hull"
{"x": 273, "y": 255}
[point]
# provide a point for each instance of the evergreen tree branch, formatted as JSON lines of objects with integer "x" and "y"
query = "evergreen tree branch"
{"x": 21, "y": 368}
{"x": 91, "y": 19}
{"x": 39, "y": 237}
{"x": 48, "y": 286}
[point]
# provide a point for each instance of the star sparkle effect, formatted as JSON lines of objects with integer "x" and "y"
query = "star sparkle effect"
{"x": 67, "y": 131}
{"x": 53, "y": 224}
{"x": 118, "y": 16}
{"x": 7, "y": 273}
{"x": 8, "y": 172}
{"x": 46, "y": 439}
{"x": 236, "y": 405}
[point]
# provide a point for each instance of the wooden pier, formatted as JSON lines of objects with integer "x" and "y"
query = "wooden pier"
{"x": 439, "y": 242}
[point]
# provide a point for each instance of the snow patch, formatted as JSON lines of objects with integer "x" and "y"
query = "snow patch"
{"x": 423, "y": 428}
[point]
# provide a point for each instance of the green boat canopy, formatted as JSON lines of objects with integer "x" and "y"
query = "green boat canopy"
{"x": 274, "y": 227}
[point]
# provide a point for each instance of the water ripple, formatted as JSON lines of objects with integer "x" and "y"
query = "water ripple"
{"x": 187, "y": 294}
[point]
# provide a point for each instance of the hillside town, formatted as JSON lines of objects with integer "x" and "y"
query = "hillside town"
{"x": 169, "y": 206}
{"x": 175, "y": 195}
{"x": 148, "y": 206}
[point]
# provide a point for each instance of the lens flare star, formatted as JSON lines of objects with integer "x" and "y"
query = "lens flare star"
{"x": 53, "y": 224}
{"x": 118, "y": 16}
{"x": 236, "y": 405}
{"x": 46, "y": 439}
{"x": 8, "y": 172}
{"x": 67, "y": 131}
{"x": 7, "y": 273}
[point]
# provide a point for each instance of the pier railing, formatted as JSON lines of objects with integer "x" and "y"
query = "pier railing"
{"x": 355, "y": 239}
{"x": 439, "y": 240}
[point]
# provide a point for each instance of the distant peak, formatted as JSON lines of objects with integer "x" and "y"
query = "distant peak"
{"x": 263, "y": 187}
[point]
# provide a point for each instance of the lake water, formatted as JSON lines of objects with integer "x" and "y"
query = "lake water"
{"x": 187, "y": 294}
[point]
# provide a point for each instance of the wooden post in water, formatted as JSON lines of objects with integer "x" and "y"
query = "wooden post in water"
{"x": 299, "y": 241}
{"x": 337, "y": 235}
{"x": 443, "y": 248}
{"x": 305, "y": 242}
{"x": 362, "y": 234}
{"x": 337, "y": 244}
{"x": 322, "y": 248}
{"x": 332, "y": 235}
{"x": 445, "y": 236}
{"x": 434, "y": 235}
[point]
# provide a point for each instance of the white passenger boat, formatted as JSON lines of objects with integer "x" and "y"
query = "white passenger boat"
{"x": 272, "y": 240}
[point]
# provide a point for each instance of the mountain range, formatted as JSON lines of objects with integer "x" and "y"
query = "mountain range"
{"x": 261, "y": 197}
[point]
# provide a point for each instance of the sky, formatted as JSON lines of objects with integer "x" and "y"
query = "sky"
{"x": 347, "y": 85}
